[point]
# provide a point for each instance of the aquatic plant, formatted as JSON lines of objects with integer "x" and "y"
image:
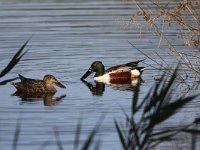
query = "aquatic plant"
{"x": 16, "y": 58}
{"x": 157, "y": 106}
{"x": 158, "y": 15}
{"x": 169, "y": 12}
{"x": 90, "y": 139}
{"x": 16, "y": 135}
{"x": 86, "y": 145}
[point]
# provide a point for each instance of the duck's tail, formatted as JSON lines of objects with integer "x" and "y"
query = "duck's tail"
{"x": 134, "y": 63}
{"x": 14, "y": 84}
{"x": 18, "y": 85}
{"x": 22, "y": 78}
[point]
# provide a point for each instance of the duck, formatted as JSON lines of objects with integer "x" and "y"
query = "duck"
{"x": 120, "y": 74}
{"x": 35, "y": 86}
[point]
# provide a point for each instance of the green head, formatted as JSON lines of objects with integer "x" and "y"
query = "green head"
{"x": 97, "y": 67}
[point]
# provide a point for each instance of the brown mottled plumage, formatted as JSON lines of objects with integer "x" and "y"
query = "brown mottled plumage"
{"x": 38, "y": 86}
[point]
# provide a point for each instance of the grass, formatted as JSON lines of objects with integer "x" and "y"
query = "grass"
{"x": 13, "y": 62}
{"x": 157, "y": 106}
{"x": 170, "y": 12}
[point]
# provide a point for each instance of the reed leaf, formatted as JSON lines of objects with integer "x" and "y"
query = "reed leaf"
{"x": 135, "y": 98}
{"x": 77, "y": 136}
{"x": 121, "y": 137}
{"x": 90, "y": 138}
{"x": 197, "y": 120}
{"x": 162, "y": 133}
{"x": 6, "y": 81}
{"x": 192, "y": 131}
{"x": 16, "y": 58}
{"x": 58, "y": 141}
{"x": 156, "y": 107}
{"x": 166, "y": 134}
{"x": 44, "y": 145}
{"x": 16, "y": 135}
{"x": 169, "y": 110}
{"x": 161, "y": 94}
{"x": 98, "y": 144}
{"x": 150, "y": 98}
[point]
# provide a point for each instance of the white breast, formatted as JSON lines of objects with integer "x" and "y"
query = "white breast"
{"x": 104, "y": 78}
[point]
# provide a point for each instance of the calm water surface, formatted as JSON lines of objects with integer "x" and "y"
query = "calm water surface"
{"x": 65, "y": 38}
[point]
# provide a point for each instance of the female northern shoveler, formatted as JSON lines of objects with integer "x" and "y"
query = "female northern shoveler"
{"x": 38, "y": 86}
{"x": 123, "y": 73}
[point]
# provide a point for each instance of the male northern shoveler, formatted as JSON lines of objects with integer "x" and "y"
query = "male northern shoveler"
{"x": 38, "y": 86}
{"x": 119, "y": 74}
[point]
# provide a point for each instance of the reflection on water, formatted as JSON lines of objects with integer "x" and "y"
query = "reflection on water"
{"x": 47, "y": 98}
{"x": 98, "y": 88}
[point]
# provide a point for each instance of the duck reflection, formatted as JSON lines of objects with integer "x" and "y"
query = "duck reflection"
{"x": 48, "y": 99}
{"x": 98, "y": 88}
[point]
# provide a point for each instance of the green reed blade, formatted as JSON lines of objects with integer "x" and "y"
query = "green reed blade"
{"x": 90, "y": 138}
{"x": 169, "y": 110}
{"x": 8, "y": 80}
{"x": 77, "y": 136}
{"x": 135, "y": 99}
{"x": 121, "y": 136}
{"x": 16, "y": 58}
{"x": 58, "y": 141}
{"x": 16, "y": 135}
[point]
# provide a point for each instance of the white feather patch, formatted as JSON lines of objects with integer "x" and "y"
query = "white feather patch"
{"x": 104, "y": 78}
{"x": 135, "y": 73}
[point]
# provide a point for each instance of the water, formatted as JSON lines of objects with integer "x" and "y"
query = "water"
{"x": 65, "y": 38}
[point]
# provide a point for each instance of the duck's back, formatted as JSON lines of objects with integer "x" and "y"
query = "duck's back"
{"x": 29, "y": 85}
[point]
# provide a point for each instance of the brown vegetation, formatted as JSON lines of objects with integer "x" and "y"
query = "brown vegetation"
{"x": 183, "y": 17}
{"x": 174, "y": 12}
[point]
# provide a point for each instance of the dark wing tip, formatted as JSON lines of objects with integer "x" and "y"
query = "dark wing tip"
{"x": 135, "y": 62}
{"x": 141, "y": 60}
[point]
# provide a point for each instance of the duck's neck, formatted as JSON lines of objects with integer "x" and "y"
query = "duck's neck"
{"x": 50, "y": 88}
{"x": 100, "y": 70}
